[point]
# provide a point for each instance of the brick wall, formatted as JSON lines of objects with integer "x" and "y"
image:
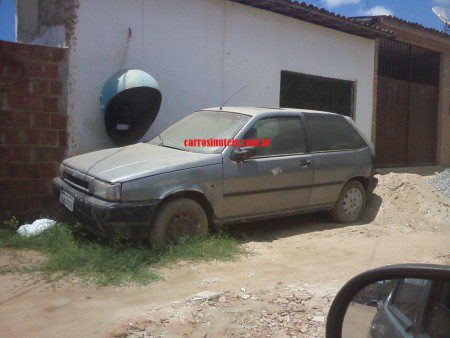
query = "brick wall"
{"x": 33, "y": 125}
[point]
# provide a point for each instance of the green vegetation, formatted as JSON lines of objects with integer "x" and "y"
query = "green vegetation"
{"x": 70, "y": 252}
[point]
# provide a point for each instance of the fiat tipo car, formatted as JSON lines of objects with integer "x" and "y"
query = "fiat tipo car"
{"x": 173, "y": 186}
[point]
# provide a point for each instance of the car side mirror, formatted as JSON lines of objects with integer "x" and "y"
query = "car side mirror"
{"x": 362, "y": 308}
{"x": 243, "y": 153}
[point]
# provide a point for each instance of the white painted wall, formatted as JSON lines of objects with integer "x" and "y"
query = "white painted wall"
{"x": 200, "y": 52}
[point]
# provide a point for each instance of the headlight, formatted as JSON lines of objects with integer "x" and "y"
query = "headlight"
{"x": 106, "y": 191}
{"x": 61, "y": 171}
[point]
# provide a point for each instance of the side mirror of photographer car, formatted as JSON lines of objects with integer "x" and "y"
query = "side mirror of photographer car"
{"x": 407, "y": 300}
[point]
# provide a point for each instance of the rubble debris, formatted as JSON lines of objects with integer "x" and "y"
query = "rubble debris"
{"x": 205, "y": 296}
{"x": 208, "y": 281}
{"x": 270, "y": 313}
{"x": 318, "y": 319}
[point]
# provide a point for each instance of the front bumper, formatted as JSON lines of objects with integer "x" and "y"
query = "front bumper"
{"x": 109, "y": 219}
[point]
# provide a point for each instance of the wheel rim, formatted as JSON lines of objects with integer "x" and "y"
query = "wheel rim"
{"x": 182, "y": 226}
{"x": 352, "y": 202}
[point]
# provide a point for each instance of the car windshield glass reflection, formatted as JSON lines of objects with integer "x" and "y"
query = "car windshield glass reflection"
{"x": 202, "y": 126}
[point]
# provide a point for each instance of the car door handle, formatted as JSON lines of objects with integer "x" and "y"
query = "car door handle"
{"x": 305, "y": 163}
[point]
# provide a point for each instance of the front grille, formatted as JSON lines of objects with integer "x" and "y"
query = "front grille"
{"x": 77, "y": 179}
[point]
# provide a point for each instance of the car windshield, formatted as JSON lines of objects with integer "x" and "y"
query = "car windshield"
{"x": 189, "y": 133}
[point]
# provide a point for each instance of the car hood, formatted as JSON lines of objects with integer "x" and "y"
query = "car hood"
{"x": 138, "y": 160}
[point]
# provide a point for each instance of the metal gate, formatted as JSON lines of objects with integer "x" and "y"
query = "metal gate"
{"x": 407, "y": 105}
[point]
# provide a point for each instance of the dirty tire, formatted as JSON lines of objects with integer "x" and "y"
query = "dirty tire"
{"x": 176, "y": 220}
{"x": 350, "y": 204}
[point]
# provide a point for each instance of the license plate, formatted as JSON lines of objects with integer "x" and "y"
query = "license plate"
{"x": 66, "y": 200}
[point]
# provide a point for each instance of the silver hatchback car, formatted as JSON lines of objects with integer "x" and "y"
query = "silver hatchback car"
{"x": 219, "y": 166}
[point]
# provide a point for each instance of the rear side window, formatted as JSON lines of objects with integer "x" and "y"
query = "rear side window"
{"x": 332, "y": 132}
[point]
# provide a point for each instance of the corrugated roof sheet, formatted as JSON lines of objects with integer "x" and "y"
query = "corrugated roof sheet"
{"x": 319, "y": 16}
{"x": 377, "y": 18}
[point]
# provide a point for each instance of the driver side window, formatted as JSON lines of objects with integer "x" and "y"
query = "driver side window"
{"x": 286, "y": 136}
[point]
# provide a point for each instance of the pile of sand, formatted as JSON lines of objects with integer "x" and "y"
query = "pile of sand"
{"x": 408, "y": 201}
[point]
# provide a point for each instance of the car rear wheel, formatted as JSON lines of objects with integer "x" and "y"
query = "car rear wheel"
{"x": 350, "y": 204}
{"x": 177, "y": 220}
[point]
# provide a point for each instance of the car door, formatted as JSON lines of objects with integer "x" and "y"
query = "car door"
{"x": 277, "y": 179}
{"x": 339, "y": 153}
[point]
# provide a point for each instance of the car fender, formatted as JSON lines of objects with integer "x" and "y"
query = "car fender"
{"x": 204, "y": 180}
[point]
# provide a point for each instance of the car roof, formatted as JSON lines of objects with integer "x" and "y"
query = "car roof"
{"x": 254, "y": 111}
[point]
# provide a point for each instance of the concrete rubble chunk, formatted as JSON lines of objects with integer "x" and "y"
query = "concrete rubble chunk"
{"x": 304, "y": 329}
{"x": 302, "y": 296}
{"x": 205, "y": 296}
{"x": 208, "y": 281}
{"x": 318, "y": 319}
{"x": 289, "y": 295}
{"x": 282, "y": 300}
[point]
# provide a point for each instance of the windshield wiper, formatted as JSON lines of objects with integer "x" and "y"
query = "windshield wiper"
{"x": 161, "y": 141}
{"x": 172, "y": 147}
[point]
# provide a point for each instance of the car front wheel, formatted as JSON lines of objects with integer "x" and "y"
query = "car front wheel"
{"x": 177, "y": 220}
{"x": 350, "y": 204}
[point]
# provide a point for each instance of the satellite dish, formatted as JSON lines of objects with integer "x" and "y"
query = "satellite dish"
{"x": 443, "y": 14}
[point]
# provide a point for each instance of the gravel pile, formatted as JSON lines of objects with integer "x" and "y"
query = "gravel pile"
{"x": 441, "y": 182}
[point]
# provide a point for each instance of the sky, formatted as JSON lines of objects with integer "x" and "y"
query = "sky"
{"x": 7, "y": 17}
{"x": 412, "y": 10}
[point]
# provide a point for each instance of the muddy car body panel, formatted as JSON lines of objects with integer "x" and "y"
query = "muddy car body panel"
{"x": 147, "y": 176}
{"x": 108, "y": 219}
{"x": 204, "y": 180}
{"x": 332, "y": 170}
{"x": 138, "y": 161}
{"x": 136, "y": 179}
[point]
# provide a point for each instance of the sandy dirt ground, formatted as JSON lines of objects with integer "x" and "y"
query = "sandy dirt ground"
{"x": 358, "y": 320}
{"x": 283, "y": 289}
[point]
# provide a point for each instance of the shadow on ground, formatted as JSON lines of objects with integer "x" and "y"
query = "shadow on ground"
{"x": 273, "y": 229}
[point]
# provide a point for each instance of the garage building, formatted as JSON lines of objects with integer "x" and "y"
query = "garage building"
{"x": 202, "y": 51}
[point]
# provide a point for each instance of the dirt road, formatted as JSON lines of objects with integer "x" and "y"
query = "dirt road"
{"x": 283, "y": 289}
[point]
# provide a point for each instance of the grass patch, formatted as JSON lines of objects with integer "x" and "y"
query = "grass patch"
{"x": 70, "y": 252}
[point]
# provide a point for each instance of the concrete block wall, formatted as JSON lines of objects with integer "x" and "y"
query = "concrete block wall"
{"x": 33, "y": 126}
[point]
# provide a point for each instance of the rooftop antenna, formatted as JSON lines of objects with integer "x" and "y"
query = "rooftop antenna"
{"x": 443, "y": 14}
{"x": 368, "y": 8}
{"x": 237, "y": 92}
